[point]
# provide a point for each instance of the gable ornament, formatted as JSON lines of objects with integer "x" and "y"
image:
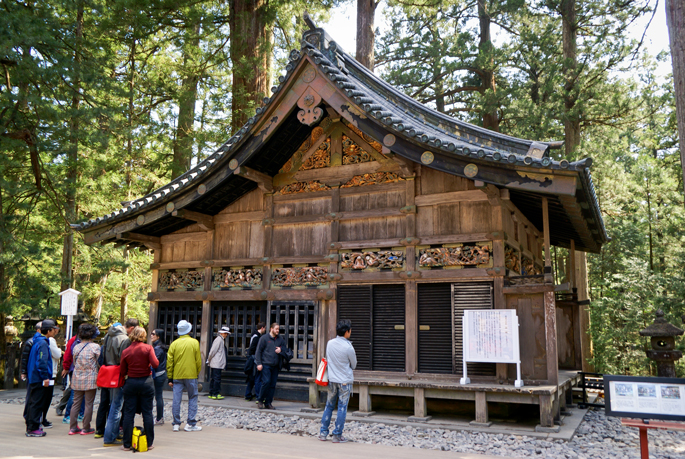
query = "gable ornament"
{"x": 309, "y": 103}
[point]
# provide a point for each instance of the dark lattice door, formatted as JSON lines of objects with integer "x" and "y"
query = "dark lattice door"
{"x": 469, "y": 295}
{"x": 170, "y": 313}
{"x": 388, "y": 342}
{"x": 435, "y": 328}
{"x": 354, "y": 304}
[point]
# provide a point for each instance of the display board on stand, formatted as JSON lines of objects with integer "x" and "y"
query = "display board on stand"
{"x": 491, "y": 336}
{"x": 69, "y": 304}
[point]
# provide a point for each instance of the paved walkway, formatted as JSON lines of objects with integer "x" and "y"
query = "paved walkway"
{"x": 290, "y": 408}
{"x": 212, "y": 442}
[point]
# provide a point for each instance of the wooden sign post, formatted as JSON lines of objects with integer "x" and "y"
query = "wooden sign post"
{"x": 69, "y": 308}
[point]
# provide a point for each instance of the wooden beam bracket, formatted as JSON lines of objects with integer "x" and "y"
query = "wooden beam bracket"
{"x": 328, "y": 294}
{"x": 408, "y": 209}
{"x": 264, "y": 182}
{"x": 206, "y": 222}
{"x": 410, "y": 241}
{"x": 410, "y": 275}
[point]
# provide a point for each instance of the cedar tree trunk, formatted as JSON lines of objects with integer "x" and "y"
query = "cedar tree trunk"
{"x": 675, "y": 18}
{"x": 366, "y": 13}
{"x": 251, "y": 48}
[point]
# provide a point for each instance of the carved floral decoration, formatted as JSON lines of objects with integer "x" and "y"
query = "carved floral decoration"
{"x": 529, "y": 268}
{"x": 353, "y": 153}
{"x": 370, "y": 140}
{"x": 236, "y": 278}
{"x": 320, "y": 158}
{"x": 307, "y": 276}
{"x": 511, "y": 259}
{"x": 297, "y": 157}
{"x": 468, "y": 255}
{"x": 376, "y": 178}
{"x": 181, "y": 280}
{"x": 382, "y": 259}
{"x": 303, "y": 187}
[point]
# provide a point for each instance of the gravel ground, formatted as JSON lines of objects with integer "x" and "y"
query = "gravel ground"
{"x": 597, "y": 437}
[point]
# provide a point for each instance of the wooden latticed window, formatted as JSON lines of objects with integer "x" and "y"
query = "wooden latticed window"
{"x": 172, "y": 312}
{"x": 241, "y": 317}
{"x": 297, "y": 326}
{"x": 377, "y": 313}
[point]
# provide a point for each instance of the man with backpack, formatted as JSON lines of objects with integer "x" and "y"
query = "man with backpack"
{"x": 254, "y": 377}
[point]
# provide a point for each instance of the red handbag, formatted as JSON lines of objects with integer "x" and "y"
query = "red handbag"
{"x": 108, "y": 376}
{"x": 322, "y": 373}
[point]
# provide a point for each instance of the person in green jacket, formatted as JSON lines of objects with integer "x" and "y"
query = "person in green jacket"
{"x": 183, "y": 365}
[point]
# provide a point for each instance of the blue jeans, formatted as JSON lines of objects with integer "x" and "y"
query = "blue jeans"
{"x": 269, "y": 379}
{"x": 116, "y": 396}
{"x": 342, "y": 392}
{"x": 67, "y": 409}
{"x": 160, "y": 381}
{"x": 256, "y": 382}
{"x": 190, "y": 386}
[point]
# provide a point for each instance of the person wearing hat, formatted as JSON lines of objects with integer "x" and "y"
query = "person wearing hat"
{"x": 183, "y": 365}
{"x": 39, "y": 375}
{"x": 217, "y": 362}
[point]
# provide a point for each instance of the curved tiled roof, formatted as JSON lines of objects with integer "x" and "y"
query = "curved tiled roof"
{"x": 396, "y": 112}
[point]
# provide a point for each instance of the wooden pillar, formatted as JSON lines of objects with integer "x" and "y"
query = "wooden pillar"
{"x": 584, "y": 311}
{"x": 411, "y": 332}
{"x": 546, "y": 411}
{"x": 572, "y": 270}
{"x": 206, "y": 334}
{"x": 154, "y": 305}
{"x": 545, "y": 229}
{"x": 551, "y": 339}
{"x": 420, "y": 409}
{"x": 268, "y": 229}
{"x": 481, "y": 411}
{"x": 365, "y": 406}
{"x": 314, "y": 397}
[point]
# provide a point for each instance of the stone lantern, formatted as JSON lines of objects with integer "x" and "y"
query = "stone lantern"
{"x": 663, "y": 350}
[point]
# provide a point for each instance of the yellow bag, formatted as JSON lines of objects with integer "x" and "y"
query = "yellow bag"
{"x": 139, "y": 440}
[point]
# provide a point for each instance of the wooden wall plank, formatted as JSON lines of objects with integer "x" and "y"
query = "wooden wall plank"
{"x": 475, "y": 217}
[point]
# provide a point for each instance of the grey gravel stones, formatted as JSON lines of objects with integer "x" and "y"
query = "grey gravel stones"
{"x": 598, "y": 437}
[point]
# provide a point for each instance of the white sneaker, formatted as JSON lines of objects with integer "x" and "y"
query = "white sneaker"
{"x": 176, "y": 427}
{"x": 189, "y": 428}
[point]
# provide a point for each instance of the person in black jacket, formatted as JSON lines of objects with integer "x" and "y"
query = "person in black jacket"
{"x": 268, "y": 360}
{"x": 160, "y": 377}
{"x": 23, "y": 364}
{"x": 254, "y": 377}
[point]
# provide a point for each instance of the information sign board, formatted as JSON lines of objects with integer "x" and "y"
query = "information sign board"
{"x": 645, "y": 397}
{"x": 491, "y": 335}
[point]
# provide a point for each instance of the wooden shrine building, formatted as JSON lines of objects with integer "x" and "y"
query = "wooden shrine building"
{"x": 344, "y": 198}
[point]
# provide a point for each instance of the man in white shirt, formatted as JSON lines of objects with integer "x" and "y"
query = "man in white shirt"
{"x": 341, "y": 360}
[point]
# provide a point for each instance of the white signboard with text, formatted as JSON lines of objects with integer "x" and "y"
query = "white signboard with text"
{"x": 645, "y": 397}
{"x": 492, "y": 336}
{"x": 69, "y": 307}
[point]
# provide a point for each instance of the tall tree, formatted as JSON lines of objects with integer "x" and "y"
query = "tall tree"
{"x": 675, "y": 18}
{"x": 251, "y": 54}
{"x": 72, "y": 154}
{"x": 366, "y": 35}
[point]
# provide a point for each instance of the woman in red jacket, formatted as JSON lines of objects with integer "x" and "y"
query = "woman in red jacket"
{"x": 136, "y": 361}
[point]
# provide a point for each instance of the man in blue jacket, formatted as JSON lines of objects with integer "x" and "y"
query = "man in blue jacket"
{"x": 39, "y": 373}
